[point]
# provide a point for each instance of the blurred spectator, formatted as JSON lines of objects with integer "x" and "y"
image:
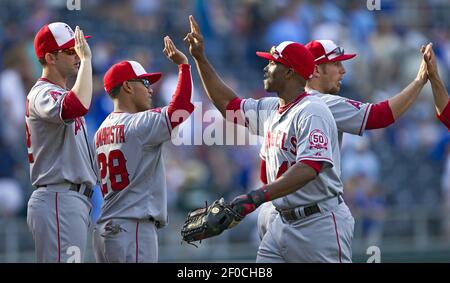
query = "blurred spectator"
{"x": 286, "y": 27}
{"x": 386, "y": 46}
{"x": 367, "y": 204}
{"x": 358, "y": 159}
{"x": 12, "y": 96}
{"x": 11, "y": 197}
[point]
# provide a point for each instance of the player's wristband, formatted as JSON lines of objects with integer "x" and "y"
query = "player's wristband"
{"x": 259, "y": 196}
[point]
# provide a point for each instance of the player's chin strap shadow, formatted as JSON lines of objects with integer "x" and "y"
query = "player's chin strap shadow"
{"x": 200, "y": 241}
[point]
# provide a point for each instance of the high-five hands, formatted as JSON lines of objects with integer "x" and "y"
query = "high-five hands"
{"x": 195, "y": 40}
{"x": 172, "y": 53}
{"x": 430, "y": 59}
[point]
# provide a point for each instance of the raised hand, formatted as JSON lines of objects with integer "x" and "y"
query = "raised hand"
{"x": 430, "y": 59}
{"x": 172, "y": 53}
{"x": 422, "y": 74}
{"x": 195, "y": 40}
{"x": 81, "y": 45}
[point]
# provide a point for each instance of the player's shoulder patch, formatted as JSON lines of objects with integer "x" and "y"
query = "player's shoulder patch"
{"x": 318, "y": 140}
{"x": 354, "y": 103}
{"x": 55, "y": 94}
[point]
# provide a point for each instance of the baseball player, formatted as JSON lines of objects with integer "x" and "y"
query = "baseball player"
{"x": 129, "y": 147}
{"x": 440, "y": 94}
{"x": 61, "y": 160}
{"x": 301, "y": 153}
{"x": 351, "y": 116}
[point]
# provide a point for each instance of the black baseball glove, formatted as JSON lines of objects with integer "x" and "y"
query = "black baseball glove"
{"x": 203, "y": 223}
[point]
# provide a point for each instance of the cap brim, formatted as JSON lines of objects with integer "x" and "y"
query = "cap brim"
{"x": 151, "y": 77}
{"x": 267, "y": 56}
{"x": 71, "y": 43}
{"x": 339, "y": 58}
{"x": 343, "y": 57}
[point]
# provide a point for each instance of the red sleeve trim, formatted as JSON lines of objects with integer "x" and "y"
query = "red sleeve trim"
{"x": 181, "y": 99}
{"x": 72, "y": 107}
{"x": 444, "y": 117}
{"x": 380, "y": 116}
{"x": 319, "y": 159}
{"x": 364, "y": 119}
{"x": 263, "y": 172}
{"x": 316, "y": 165}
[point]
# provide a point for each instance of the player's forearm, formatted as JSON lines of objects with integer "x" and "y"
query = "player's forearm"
{"x": 83, "y": 84}
{"x": 293, "y": 179}
{"x": 440, "y": 93}
{"x": 403, "y": 100}
{"x": 181, "y": 99}
{"x": 218, "y": 92}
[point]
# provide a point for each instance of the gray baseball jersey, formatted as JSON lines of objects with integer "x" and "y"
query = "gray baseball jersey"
{"x": 350, "y": 116}
{"x": 129, "y": 154}
{"x": 60, "y": 157}
{"x": 58, "y": 150}
{"x": 305, "y": 130}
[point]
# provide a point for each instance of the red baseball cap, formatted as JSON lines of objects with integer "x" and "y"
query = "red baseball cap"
{"x": 127, "y": 70}
{"x": 293, "y": 55}
{"x": 327, "y": 51}
{"x": 52, "y": 37}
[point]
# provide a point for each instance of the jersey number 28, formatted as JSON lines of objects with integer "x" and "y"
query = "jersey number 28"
{"x": 115, "y": 165}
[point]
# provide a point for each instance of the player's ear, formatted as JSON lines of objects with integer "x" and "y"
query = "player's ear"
{"x": 317, "y": 72}
{"x": 289, "y": 73}
{"x": 50, "y": 58}
{"x": 126, "y": 86}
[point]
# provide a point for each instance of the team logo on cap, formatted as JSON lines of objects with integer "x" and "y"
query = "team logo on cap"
{"x": 318, "y": 140}
{"x": 69, "y": 30}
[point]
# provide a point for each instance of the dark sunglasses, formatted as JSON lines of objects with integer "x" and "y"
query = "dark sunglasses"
{"x": 144, "y": 81}
{"x": 338, "y": 51}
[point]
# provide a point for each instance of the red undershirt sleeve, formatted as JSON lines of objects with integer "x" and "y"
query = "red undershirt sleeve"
{"x": 444, "y": 117}
{"x": 380, "y": 116}
{"x": 263, "y": 172}
{"x": 181, "y": 99}
{"x": 72, "y": 107}
{"x": 316, "y": 165}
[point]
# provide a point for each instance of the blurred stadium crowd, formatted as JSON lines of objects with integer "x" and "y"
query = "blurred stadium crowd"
{"x": 405, "y": 167}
